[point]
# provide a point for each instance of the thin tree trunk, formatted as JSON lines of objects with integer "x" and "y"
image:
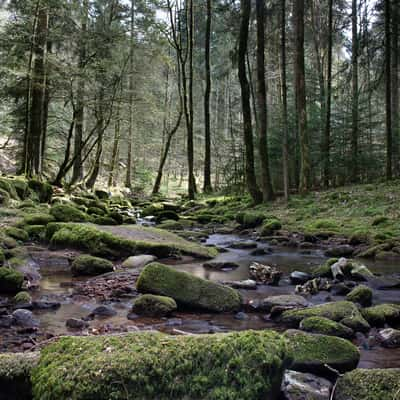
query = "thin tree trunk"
{"x": 328, "y": 108}
{"x": 128, "y": 178}
{"x": 115, "y": 150}
{"x": 246, "y": 109}
{"x": 77, "y": 173}
{"x": 388, "y": 93}
{"x": 354, "y": 63}
{"x": 285, "y": 141}
{"x": 395, "y": 88}
{"x": 207, "y": 123}
{"x": 300, "y": 89}
{"x": 266, "y": 184}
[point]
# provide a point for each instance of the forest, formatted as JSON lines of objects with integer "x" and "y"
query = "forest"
{"x": 199, "y": 200}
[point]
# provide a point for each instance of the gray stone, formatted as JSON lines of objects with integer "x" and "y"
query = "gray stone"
{"x": 248, "y": 284}
{"x": 75, "y": 323}
{"x": 298, "y": 277}
{"x": 390, "y": 338}
{"x": 264, "y": 274}
{"x": 24, "y": 318}
{"x": 138, "y": 261}
{"x": 103, "y": 311}
{"x": 301, "y": 386}
{"x": 284, "y": 302}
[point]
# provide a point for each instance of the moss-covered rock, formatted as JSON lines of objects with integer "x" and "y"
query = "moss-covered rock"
{"x": 270, "y": 226}
{"x": 43, "y": 190}
{"x": 250, "y": 219}
{"x": 89, "y": 265}
{"x": 362, "y": 295}
{"x": 168, "y": 214}
{"x": 38, "y": 219}
{"x": 67, "y": 213}
{"x": 15, "y": 371}
{"x": 7, "y": 186}
{"x": 119, "y": 218}
{"x": 324, "y": 270}
{"x": 314, "y": 352}
{"x": 10, "y": 280}
{"x": 382, "y": 314}
{"x": 4, "y": 198}
{"x": 36, "y": 232}
{"x": 2, "y": 257}
{"x": 154, "y": 306}
{"x": 187, "y": 290}
{"x": 369, "y": 384}
{"x": 17, "y": 233}
{"x": 325, "y": 326}
{"x": 246, "y": 366}
{"x": 340, "y": 311}
{"x": 104, "y": 220}
{"x": 22, "y": 298}
{"x": 95, "y": 211}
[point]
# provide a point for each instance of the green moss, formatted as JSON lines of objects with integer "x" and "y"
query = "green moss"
{"x": 154, "y": 306}
{"x": 312, "y": 352}
{"x": 104, "y": 220}
{"x": 119, "y": 219}
{"x": 361, "y": 294}
{"x": 250, "y": 220}
{"x": 369, "y": 384}
{"x": 21, "y": 187}
{"x": 326, "y": 327}
{"x": 7, "y": 186}
{"x": 89, "y": 265}
{"x": 43, "y": 190}
{"x": 36, "y": 232}
{"x": 2, "y": 257}
{"x": 95, "y": 211}
{"x": 67, "y": 213}
{"x": 382, "y": 314}
{"x": 379, "y": 220}
{"x": 22, "y": 298}
{"x": 153, "y": 366}
{"x": 4, "y": 198}
{"x": 323, "y": 224}
{"x": 270, "y": 226}
{"x": 10, "y": 280}
{"x": 168, "y": 214}
{"x": 324, "y": 270}
{"x": 171, "y": 225}
{"x": 187, "y": 289}
{"x": 17, "y": 233}
{"x": 38, "y": 219}
{"x": 15, "y": 370}
{"x": 336, "y": 311}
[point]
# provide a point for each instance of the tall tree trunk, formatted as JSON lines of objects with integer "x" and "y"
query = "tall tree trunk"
{"x": 300, "y": 89}
{"x": 354, "y": 64}
{"x": 285, "y": 141}
{"x": 207, "y": 123}
{"x": 395, "y": 88}
{"x": 388, "y": 92}
{"x": 246, "y": 109}
{"x": 38, "y": 93}
{"x": 266, "y": 184}
{"x": 128, "y": 178}
{"x": 77, "y": 173}
{"x": 327, "y": 130}
{"x": 115, "y": 149}
{"x": 190, "y": 133}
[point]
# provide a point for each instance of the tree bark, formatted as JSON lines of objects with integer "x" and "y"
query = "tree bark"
{"x": 285, "y": 141}
{"x": 266, "y": 184}
{"x": 245, "y": 98}
{"x": 395, "y": 88}
{"x": 300, "y": 90}
{"x": 354, "y": 173}
{"x": 207, "y": 123}
{"x": 388, "y": 92}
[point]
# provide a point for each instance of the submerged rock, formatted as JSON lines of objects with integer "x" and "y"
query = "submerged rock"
{"x": 264, "y": 274}
{"x": 301, "y": 386}
{"x": 369, "y": 384}
{"x": 103, "y": 311}
{"x": 154, "y": 306}
{"x": 186, "y": 289}
{"x": 320, "y": 354}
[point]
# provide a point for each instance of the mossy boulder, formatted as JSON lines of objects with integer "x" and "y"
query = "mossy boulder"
{"x": 324, "y": 270}
{"x": 119, "y": 218}
{"x": 22, "y": 298}
{"x": 382, "y": 314}
{"x": 104, "y": 220}
{"x": 17, "y": 233}
{"x": 314, "y": 352}
{"x": 270, "y": 226}
{"x": 344, "y": 312}
{"x": 38, "y": 219}
{"x": 247, "y": 365}
{"x": 7, "y": 186}
{"x": 325, "y": 326}
{"x": 15, "y": 371}
{"x": 95, "y": 211}
{"x": 187, "y": 290}
{"x": 10, "y": 280}
{"x": 249, "y": 220}
{"x": 43, "y": 190}
{"x": 67, "y": 213}
{"x": 369, "y": 384}
{"x": 36, "y": 232}
{"x": 362, "y": 295}
{"x": 4, "y": 198}
{"x": 154, "y": 306}
{"x": 2, "y": 257}
{"x": 89, "y": 265}
{"x": 167, "y": 215}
